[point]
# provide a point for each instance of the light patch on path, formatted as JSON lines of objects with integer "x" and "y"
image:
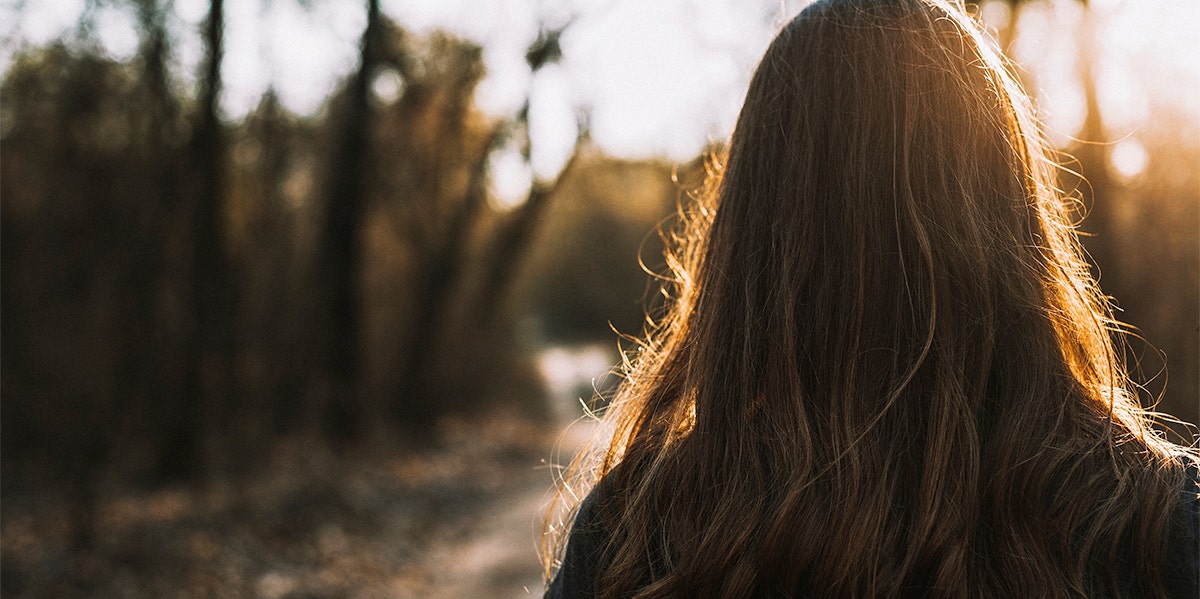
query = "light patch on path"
{"x": 494, "y": 553}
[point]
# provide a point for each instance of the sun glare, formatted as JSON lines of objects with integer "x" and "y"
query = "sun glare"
{"x": 511, "y": 178}
{"x": 1129, "y": 158}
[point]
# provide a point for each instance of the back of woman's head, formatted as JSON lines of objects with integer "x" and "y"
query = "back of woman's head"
{"x": 885, "y": 368}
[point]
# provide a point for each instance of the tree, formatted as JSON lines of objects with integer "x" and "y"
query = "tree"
{"x": 340, "y": 254}
{"x": 441, "y": 231}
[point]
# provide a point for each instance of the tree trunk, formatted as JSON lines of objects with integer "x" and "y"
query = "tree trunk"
{"x": 206, "y": 392}
{"x": 340, "y": 268}
{"x": 440, "y": 274}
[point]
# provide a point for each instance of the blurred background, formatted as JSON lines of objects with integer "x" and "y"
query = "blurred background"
{"x": 298, "y": 296}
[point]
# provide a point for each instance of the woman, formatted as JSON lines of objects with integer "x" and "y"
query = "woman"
{"x": 885, "y": 369}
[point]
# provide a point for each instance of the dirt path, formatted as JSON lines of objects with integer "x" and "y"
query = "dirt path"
{"x": 494, "y": 553}
{"x": 458, "y": 519}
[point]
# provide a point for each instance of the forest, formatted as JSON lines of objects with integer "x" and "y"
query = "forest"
{"x": 288, "y": 355}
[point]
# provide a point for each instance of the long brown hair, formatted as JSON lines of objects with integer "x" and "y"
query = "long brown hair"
{"x": 885, "y": 368}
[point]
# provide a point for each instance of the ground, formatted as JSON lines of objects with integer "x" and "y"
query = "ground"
{"x": 459, "y": 517}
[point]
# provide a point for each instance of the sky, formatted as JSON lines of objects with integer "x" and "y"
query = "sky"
{"x": 656, "y": 79}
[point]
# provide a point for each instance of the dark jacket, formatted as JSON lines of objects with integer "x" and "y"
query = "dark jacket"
{"x": 1181, "y": 568}
{"x": 577, "y": 575}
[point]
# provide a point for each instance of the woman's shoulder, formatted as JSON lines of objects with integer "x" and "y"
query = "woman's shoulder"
{"x": 576, "y": 576}
{"x": 1181, "y": 566}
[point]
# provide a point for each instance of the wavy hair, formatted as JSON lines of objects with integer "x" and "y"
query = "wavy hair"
{"x": 885, "y": 368}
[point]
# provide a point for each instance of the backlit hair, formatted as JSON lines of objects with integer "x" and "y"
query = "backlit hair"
{"x": 885, "y": 368}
